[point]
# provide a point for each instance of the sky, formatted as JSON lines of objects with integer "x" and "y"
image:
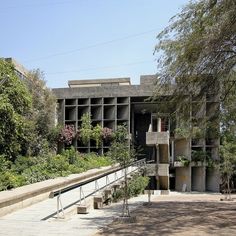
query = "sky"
{"x": 84, "y": 39}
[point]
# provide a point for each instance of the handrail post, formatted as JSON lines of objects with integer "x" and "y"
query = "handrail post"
{"x": 107, "y": 180}
{"x": 80, "y": 191}
{"x": 81, "y": 196}
{"x": 96, "y": 185}
{"x": 59, "y": 205}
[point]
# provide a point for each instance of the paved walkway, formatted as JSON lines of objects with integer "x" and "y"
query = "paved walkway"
{"x": 176, "y": 214}
{"x": 36, "y": 220}
{"x": 180, "y": 215}
{"x": 23, "y": 223}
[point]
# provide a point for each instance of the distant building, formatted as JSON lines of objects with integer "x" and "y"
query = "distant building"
{"x": 20, "y": 70}
{"x": 112, "y": 102}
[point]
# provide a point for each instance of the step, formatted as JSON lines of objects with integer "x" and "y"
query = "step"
{"x": 116, "y": 185}
{"x": 108, "y": 191}
{"x": 83, "y": 209}
{"x": 165, "y": 192}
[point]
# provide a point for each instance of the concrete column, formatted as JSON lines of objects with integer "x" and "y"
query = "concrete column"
{"x": 172, "y": 151}
{"x": 159, "y": 125}
{"x": 158, "y": 153}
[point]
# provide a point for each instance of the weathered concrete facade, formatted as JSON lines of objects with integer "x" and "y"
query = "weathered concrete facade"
{"x": 115, "y": 101}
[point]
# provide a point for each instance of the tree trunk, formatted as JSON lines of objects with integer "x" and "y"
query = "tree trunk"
{"x": 228, "y": 188}
{"x": 125, "y": 212}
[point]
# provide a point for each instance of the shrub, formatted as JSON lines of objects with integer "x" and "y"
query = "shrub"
{"x": 137, "y": 185}
{"x": 36, "y": 173}
{"x": 86, "y": 128}
{"x": 9, "y": 179}
{"x": 58, "y": 164}
{"x": 71, "y": 154}
{"x": 96, "y": 135}
{"x": 107, "y": 134}
{"x": 4, "y": 163}
{"x": 67, "y": 134}
{"x": 117, "y": 195}
{"x": 28, "y": 170}
{"x": 22, "y": 163}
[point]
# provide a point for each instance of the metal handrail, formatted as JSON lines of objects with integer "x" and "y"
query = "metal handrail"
{"x": 57, "y": 193}
{"x": 73, "y": 186}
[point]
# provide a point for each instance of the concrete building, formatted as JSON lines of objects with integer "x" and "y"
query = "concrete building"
{"x": 20, "y": 70}
{"x": 177, "y": 162}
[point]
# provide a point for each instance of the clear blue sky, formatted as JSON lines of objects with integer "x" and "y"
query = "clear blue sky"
{"x": 84, "y": 39}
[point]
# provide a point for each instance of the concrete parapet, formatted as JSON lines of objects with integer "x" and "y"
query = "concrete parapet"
{"x": 155, "y": 138}
{"x": 24, "y": 196}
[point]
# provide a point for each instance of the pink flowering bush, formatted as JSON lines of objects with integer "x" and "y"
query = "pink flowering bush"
{"x": 67, "y": 134}
{"x": 107, "y": 133}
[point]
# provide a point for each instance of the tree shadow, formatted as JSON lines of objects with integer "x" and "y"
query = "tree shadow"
{"x": 169, "y": 217}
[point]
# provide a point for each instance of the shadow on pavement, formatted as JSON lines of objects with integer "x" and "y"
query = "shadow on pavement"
{"x": 180, "y": 218}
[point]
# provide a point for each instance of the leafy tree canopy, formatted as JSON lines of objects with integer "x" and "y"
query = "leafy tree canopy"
{"x": 199, "y": 47}
{"x": 44, "y": 103}
{"x": 197, "y": 55}
{"x": 15, "y": 105}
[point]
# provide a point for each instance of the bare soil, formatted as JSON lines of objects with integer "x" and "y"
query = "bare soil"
{"x": 181, "y": 214}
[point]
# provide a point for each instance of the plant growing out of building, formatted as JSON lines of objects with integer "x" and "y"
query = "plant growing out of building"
{"x": 182, "y": 132}
{"x": 107, "y": 134}
{"x": 199, "y": 156}
{"x": 86, "y": 128}
{"x": 183, "y": 159}
{"x": 96, "y": 135}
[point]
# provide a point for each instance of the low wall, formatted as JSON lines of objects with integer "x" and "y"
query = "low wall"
{"x": 12, "y": 200}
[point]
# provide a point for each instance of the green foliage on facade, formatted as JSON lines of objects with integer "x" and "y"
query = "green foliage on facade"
{"x": 86, "y": 128}
{"x": 97, "y": 135}
{"x": 183, "y": 159}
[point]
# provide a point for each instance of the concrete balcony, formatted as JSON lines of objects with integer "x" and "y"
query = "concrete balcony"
{"x": 198, "y": 164}
{"x": 151, "y": 169}
{"x": 155, "y": 138}
{"x": 163, "y": 169}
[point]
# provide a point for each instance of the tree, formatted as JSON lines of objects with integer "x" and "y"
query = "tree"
{"x": 197, "y": 52}
{"x": 197, "y": 55}
{"x": 15, "y": 106}
{"x": 198, "y": 47}
{"x": 227, "y": 166}
{"x": 43, "y": 115}
{"x": 121, "y": 152}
